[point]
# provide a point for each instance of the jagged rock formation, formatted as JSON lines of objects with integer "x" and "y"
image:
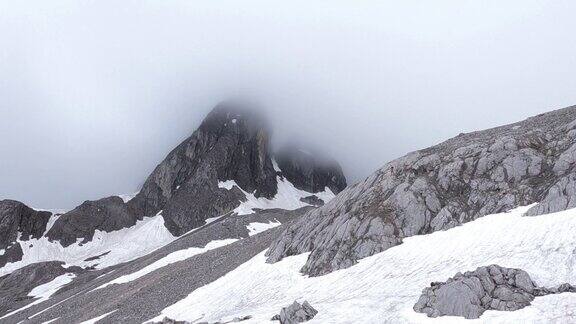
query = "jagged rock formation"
{"x": 457, "y": 181}
{"x": 310, "y": 172}
{"x": 296, "y": 313}
{"x": 232, "y": 143}
{"x": 19, "y": 220}
{"x": 487, "y": 288}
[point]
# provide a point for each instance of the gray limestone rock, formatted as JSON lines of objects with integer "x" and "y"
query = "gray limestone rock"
{"x": 296, "y": 313}
{"x": 466, "y": 177}
{"x": 493, "y": 287}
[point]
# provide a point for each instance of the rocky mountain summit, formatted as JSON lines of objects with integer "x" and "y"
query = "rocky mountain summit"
{"x": 231, "y": 144}
{"x": 440, "y": 187}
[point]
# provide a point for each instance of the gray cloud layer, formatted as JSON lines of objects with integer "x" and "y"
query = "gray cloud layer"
{"x": 93, "y": 94}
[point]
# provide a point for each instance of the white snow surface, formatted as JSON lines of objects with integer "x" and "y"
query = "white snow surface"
{"x": 173, "y": 257}
{"x": 288, "y": 197}
{"x": 124, "y": 245}
{"x": 127, "y": 197}
{"x": 45, "y": 291}
{"x": 383, "y": 288}
{"x": 255, "y": 228}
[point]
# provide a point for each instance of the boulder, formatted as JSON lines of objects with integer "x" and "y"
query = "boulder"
{"x": 493, "y": 287}
{"x": 296, "y": 313}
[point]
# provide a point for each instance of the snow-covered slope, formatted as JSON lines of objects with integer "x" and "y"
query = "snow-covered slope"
{"x": 383, "y": 288}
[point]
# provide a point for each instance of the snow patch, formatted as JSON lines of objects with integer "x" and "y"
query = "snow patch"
{"x": 126, "y": 244}
{"x": 383, "y": 288}
{"x": 256, "y": 228}
{"x": 288, "y": 197}
{"x": 275, "y": 165}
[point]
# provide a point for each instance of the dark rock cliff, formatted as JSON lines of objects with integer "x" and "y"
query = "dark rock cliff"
{"x": 17, "y": 218}
{"x": 457, "y": 181}
{"x": 310, "y": 172}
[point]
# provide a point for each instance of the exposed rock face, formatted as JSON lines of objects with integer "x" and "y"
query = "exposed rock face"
{"x": 487, "y": 288}
{"x": 230, "y": 144}
{"x": 310, "y": 172}
{"x": 107, "y": 214}
{"x": 17, "y": 218}
{"x": 296, "y": 313}
{"x": 457, "y": 181}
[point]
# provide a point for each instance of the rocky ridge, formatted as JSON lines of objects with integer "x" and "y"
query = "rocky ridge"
{"x": 437, "y": 188}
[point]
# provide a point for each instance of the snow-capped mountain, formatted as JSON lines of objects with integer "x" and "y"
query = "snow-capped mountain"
{"x": 479, "y": 227}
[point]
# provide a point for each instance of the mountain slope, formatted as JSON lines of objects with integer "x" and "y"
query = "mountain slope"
{"x": 457, "y": 181}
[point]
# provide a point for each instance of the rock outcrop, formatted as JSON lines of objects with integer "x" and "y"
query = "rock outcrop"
{"x": 19, "y": 221}
{"x": 15, "y": 217}
{"x": 296, "y": 313}
{"x": 457, "y": 181}
{"x": 310, "y": 172}
{"x": 493, "y": 287}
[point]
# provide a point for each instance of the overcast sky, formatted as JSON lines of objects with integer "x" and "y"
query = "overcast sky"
{"x": 93, "y": 94}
